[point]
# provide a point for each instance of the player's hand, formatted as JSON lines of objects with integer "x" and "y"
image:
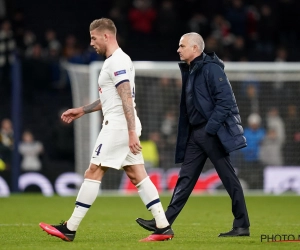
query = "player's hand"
{"x": 72, "y": 114}
{"x": 134, "y": 143}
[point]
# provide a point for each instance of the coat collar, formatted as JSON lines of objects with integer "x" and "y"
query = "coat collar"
{"x": 198, "y": 60}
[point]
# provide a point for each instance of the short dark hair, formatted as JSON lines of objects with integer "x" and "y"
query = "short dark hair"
{"x": 103, "y": 24}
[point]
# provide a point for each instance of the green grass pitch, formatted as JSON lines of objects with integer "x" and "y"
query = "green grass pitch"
{"x": 110, "y": 223}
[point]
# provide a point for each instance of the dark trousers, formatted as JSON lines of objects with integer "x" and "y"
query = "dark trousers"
{"x": 201, "y": 146}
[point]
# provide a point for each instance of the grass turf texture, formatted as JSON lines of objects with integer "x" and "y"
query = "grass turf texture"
{"x": 110, "y": 223}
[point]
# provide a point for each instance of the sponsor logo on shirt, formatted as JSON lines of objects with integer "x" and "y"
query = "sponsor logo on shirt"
{"x": 120, "y": 72}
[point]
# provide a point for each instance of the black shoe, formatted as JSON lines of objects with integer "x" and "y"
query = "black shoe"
{"x": 236, "y": 231}
{"x": 160, "y": 234}
{"x": 60, "y": 231}
{"x": 149, "y": 225}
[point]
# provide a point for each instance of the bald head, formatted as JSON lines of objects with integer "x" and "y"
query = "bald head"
{"x": 195, "y": 39}
{"x": 191, "y": 45}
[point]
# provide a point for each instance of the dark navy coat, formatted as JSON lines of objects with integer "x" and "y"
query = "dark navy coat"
{"x": 214, "y": 99}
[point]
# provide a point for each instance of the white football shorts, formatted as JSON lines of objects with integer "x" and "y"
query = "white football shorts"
{"x": 112, "y": 148}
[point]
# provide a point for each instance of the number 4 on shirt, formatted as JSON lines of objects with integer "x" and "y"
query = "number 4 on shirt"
{"x": 98, "y": 149}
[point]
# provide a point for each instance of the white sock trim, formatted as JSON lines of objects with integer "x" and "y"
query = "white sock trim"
{"x": 141, "y": 182}
{"x": 91, "y": 180}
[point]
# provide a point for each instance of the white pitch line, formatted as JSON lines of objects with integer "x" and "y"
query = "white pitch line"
{"x": 17, "y": 225}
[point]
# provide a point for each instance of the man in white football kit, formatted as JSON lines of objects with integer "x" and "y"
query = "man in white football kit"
{"x": 118, "y": 144}
{"x": 111, "y": 148}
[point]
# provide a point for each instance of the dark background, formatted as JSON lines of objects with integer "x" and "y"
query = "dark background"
{"x": 64, "y": 16}
{"x": 74, "y": 16}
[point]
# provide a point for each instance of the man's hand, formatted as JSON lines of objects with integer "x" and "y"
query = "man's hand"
{"x": 134, "y": 143}
{"x": 72, "y": 114}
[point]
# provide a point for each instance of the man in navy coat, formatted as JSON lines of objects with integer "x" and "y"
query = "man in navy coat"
{"x": 209, "y": 127}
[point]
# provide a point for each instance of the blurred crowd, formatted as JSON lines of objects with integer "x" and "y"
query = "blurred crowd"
{"x": 237, "y": 30}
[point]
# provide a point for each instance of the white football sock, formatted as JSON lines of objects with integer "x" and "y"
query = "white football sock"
{"x": 150, "y": 197}
{"x": 86, "y": 196}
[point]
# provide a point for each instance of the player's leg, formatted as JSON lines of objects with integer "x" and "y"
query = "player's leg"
{"x": 111, "y": 149}
{"x": 148, "y": 193}
{"x": 190, "y": 171}
{"x": 108, "y": 152}
{"x": 86, "y": 196}
{"x": 150, "y": 197}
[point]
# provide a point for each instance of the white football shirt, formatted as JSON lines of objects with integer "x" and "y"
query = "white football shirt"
{"x": 117, "y": 68}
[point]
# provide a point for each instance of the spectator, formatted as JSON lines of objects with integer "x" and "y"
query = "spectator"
{"x": 142, "y": 18}
{"x": 252, "y": 172}
{"x": 29, "y": 40}
{"x": 271, "y": 149}
{"x": 7, "y": 133}
{"x": 275, "y": 122}
{"x": 150, "y": 151}
{"x": 281, "y": 54}
{"x": 168, "y": 132}
{"x": 249, "y": 99}
{"x": 70, "y": 47}
{"x": 51, "y": 42}
{"x": 30, "y": 149}
{"x": 169, "y": 126}
{"x": 35, "y": 52}
{"x": 254, "y": 134}
{"x": 221, "y": 30}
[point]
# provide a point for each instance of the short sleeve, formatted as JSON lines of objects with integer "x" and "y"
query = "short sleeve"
{"x": 119, "y": 73}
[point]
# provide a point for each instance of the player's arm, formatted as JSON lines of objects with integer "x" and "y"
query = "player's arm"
{"x": 127, "y": 103}
{"x": 75, "y": 113}
{"x": 95, "y": 106}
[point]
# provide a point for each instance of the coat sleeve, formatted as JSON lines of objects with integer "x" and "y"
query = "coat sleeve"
{"x": 222, "y": 96}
